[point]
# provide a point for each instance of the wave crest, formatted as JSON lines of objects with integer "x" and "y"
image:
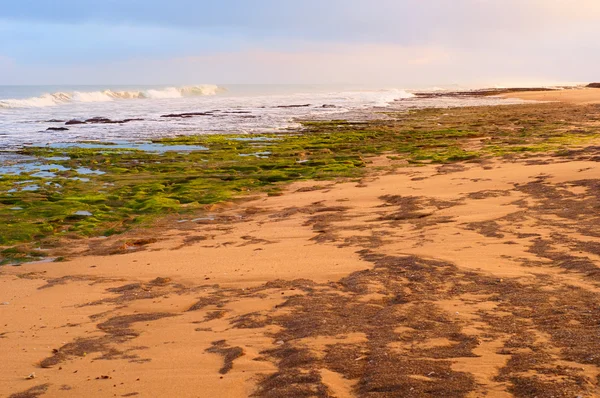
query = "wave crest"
{"x": 61, "y": 98}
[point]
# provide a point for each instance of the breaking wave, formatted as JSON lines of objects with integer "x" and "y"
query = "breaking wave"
{"x": 387, "y": 97}
{"x": 61, "y": 98}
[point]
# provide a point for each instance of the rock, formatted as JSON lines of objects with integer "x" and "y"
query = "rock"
{"x": 54, "y": 121}
{"x": 74, "y": 121}
{"x": 99, "y": 119}
{"x": 189, "y": 114}
{"x": 31, "y": 376}
{"x": 594, "y": 85}
{"x": 328, "y": 106}
{"x": 293, "y": 106}
{"x": 57, "y": 129}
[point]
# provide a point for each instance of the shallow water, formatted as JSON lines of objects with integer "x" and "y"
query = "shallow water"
{"x": 43, "y": 170}
{"x": 140, "y": 146}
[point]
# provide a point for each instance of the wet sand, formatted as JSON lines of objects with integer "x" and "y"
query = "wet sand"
{"x": 469, "y": 279}
{"x": 573, "y": 96}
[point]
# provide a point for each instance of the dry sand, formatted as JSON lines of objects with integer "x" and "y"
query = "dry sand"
{"x": 579, "y": 96}
{"x": 471, "y": 279}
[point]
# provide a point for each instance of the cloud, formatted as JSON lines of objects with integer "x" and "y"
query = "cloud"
{"x": 267, "y": 40}
{"x": 357, "y": 18}
{"x": 320, "y": 64}
{"x": 374, "y": 65}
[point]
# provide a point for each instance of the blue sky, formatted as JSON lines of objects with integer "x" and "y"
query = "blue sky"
{"x": 402, "y": 42}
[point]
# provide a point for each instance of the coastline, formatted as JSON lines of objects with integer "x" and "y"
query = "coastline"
{"x": 437, "y": 278}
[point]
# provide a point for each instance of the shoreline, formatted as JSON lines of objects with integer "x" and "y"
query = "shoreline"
{"x": 438, "y": 271}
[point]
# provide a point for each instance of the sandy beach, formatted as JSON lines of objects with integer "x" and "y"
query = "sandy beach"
{"x": 466, "y": 279}
{"x": 572, "y": 96}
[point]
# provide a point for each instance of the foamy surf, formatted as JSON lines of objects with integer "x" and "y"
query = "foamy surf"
{"x": 387, "y": 97}
{"x": 152, "y": 111}
{"x": 62, "y": 98}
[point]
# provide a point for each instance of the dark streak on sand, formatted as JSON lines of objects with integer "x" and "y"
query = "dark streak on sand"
{"x": 33, "y": 392}
{"x": 117, "y": 330}
{"x": 228, "y": 353}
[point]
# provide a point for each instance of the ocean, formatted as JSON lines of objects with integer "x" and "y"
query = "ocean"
{"x": 37, "y": 115}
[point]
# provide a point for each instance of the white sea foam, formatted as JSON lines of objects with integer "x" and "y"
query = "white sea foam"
{"x": 94, "y": 96}
{"x": 36, "y": 102}
{"x": 387, "y": 97}
{"x": 170, "y": 92}
{"x": 60, "y": 98}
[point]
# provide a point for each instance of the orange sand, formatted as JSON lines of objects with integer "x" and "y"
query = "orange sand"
{"x": 277, "y": 238}
{"x": 579, "y": 96}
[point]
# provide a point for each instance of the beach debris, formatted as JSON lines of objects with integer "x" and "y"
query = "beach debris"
{"x": 160, "y": 281}
{"x": 5, "y": 303}
{"x": 31, "y": 376}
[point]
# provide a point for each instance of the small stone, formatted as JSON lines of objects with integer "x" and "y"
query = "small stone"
{"x": 31, "y": 376}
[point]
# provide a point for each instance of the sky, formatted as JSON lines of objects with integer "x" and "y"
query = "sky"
{"x": 412, "y": 43}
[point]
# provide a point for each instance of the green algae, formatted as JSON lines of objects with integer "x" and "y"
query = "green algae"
{"x": 136, "y": 187}
{"x": 16, "y": 256}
